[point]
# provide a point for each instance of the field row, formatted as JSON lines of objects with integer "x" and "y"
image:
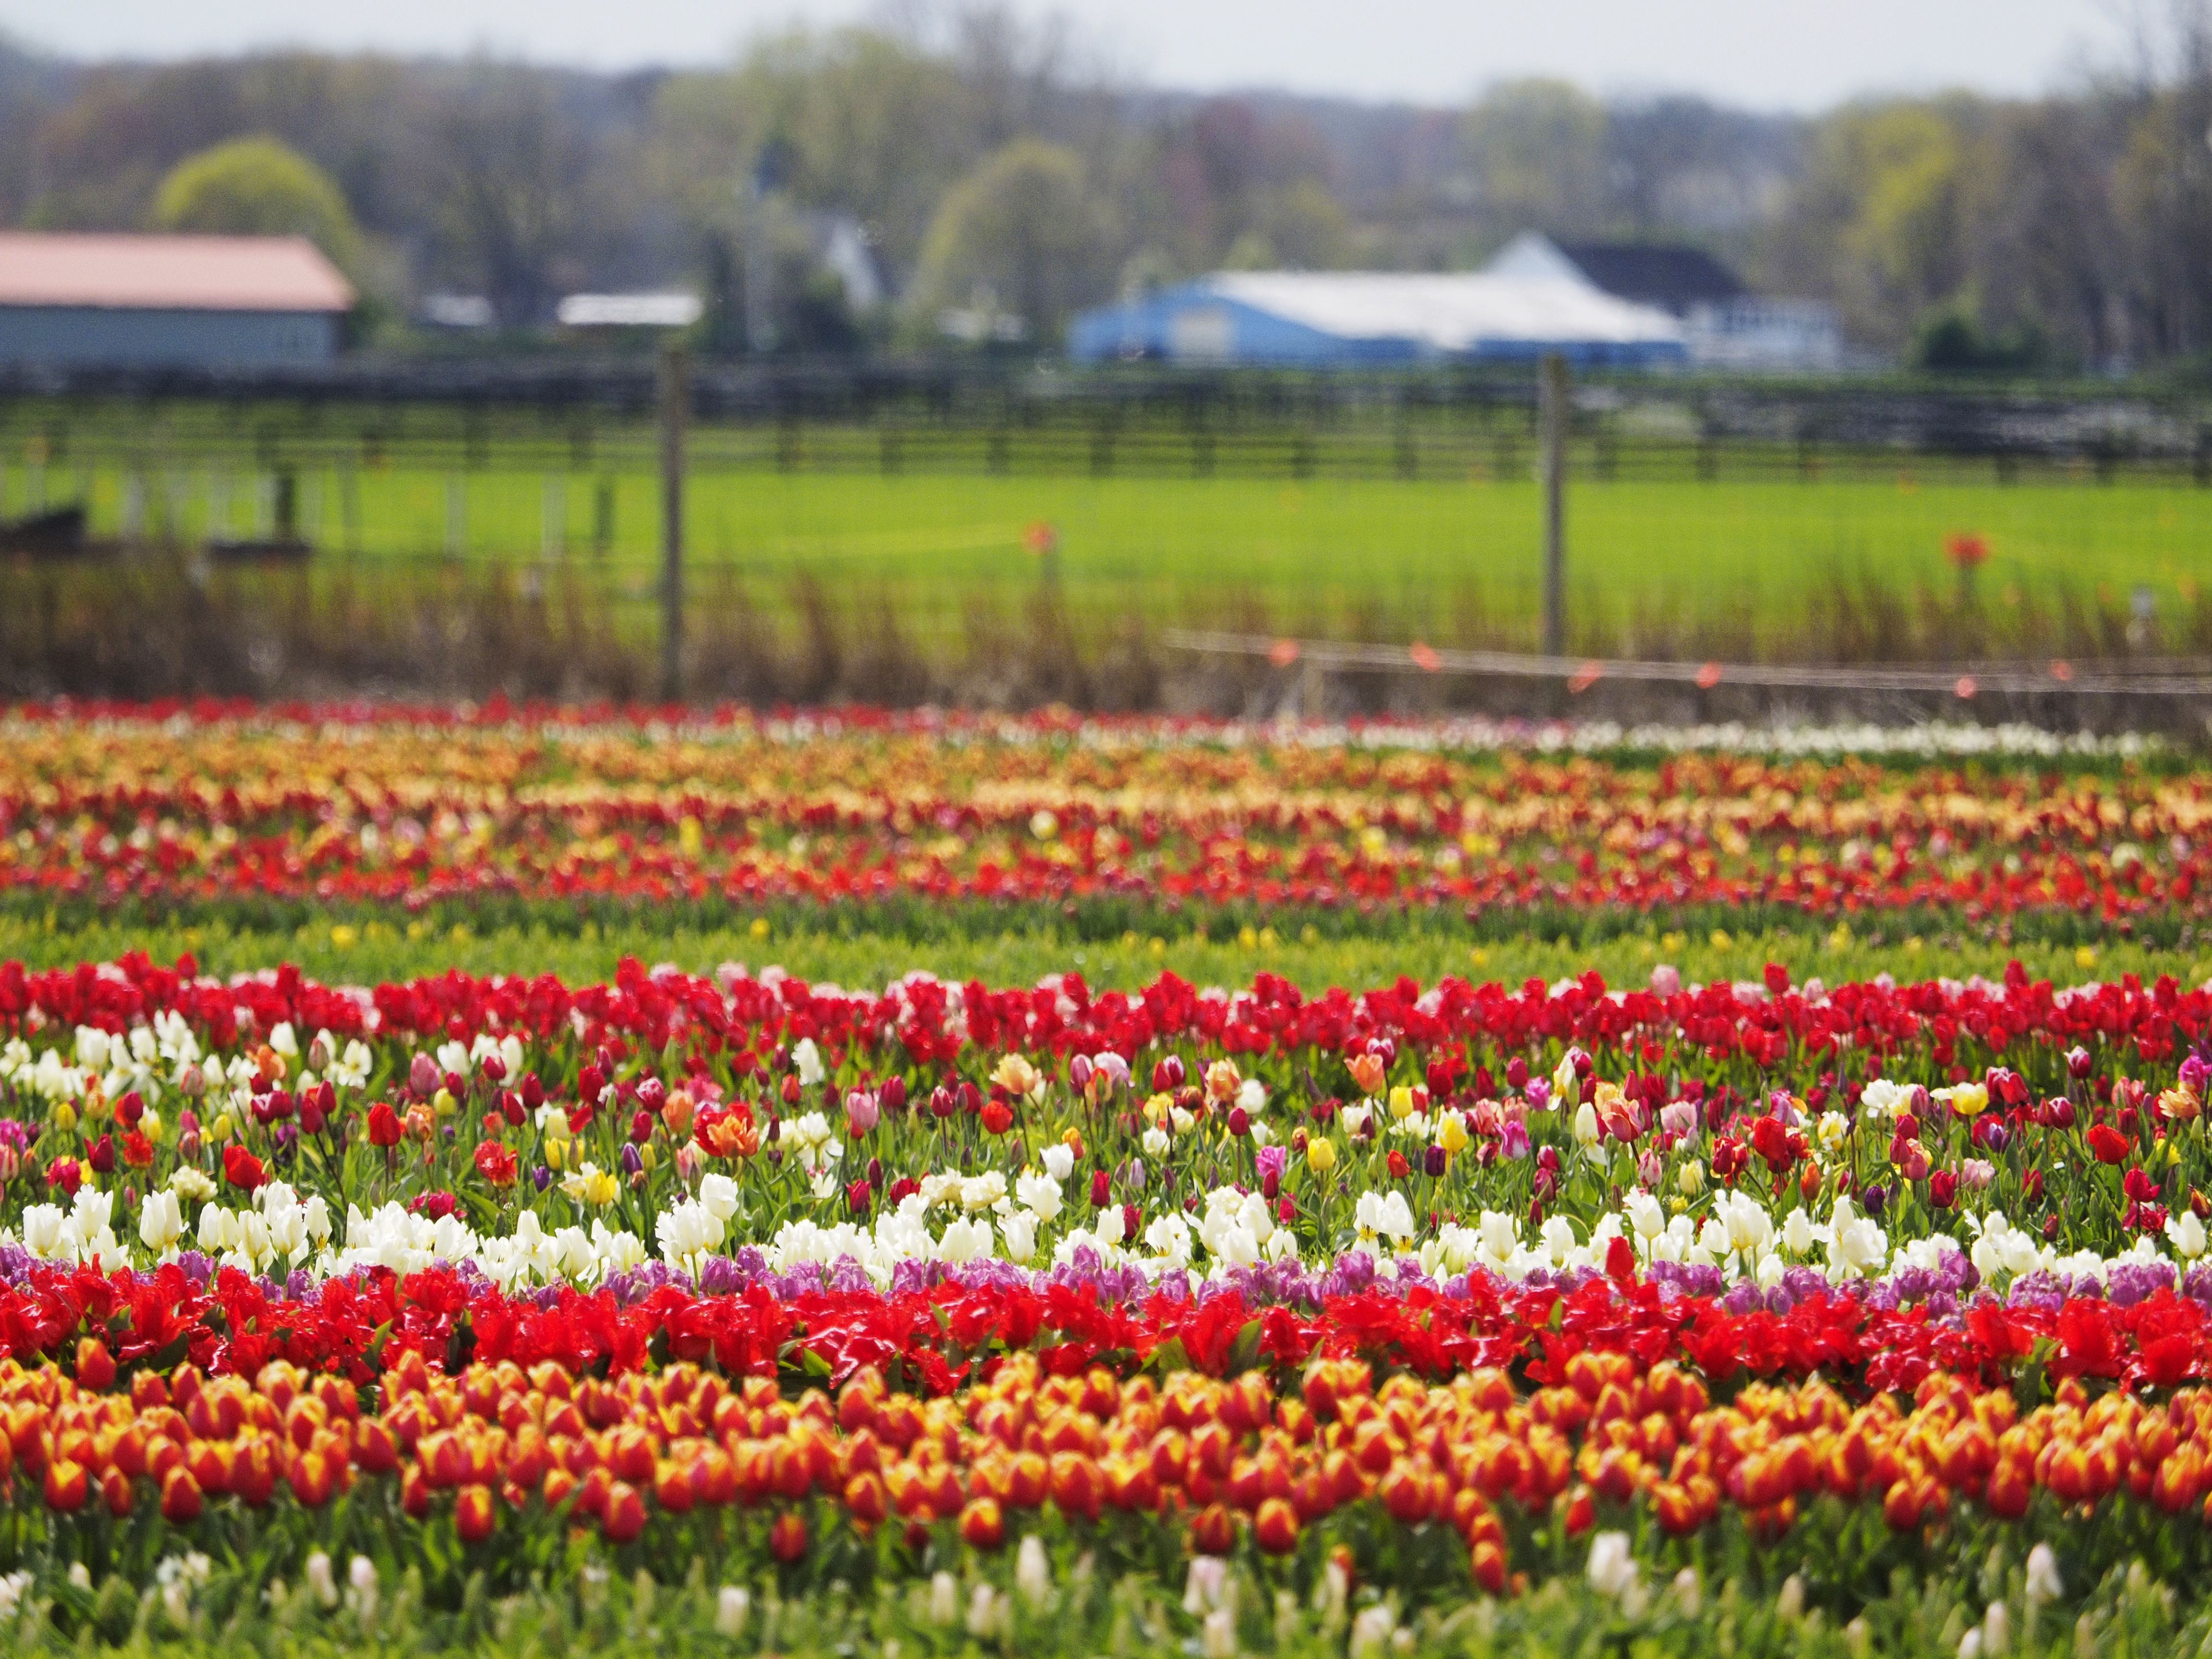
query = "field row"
{"x": 1147, "y": 816}
{"x": 1379, "y": 1302}
{"x": 2007, "y": 1137}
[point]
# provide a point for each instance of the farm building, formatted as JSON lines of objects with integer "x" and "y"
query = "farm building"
{"x": 117, "y": 301}
{"x": 1724, "y": 324}
{"x": 1356, "y": 319}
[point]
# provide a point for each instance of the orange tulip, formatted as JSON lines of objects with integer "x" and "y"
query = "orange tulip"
{"x": 95, "y": 1366}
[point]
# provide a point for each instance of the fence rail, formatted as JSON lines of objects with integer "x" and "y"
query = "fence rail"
{"x": 2167, "y": 677}
{"x": 563, "y": 417}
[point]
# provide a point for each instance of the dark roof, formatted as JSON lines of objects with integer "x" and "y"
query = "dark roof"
{"x": 1672, "y": 278}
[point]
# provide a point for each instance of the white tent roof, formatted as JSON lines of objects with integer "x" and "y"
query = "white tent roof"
{"x": 1448, "y": 313}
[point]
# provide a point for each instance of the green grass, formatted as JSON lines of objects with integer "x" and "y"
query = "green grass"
{"x": 354, "y": 950}
{"x": 1434, "y": 558}
{"x": 2129, "y": 1613}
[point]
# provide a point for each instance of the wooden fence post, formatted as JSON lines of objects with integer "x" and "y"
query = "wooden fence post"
{"x": 675, "y": 406}
{"x": 1552, "y": 401}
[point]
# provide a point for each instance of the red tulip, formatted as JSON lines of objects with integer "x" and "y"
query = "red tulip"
{"x": 181, "y": 1496}
{"x": 1275, "y": 1527}
{"x": 473, "y": 1514}
{"x": 787, "y": 1537}
{"x": 625, "y": 1513}
{"x": 2107, "y": 1143}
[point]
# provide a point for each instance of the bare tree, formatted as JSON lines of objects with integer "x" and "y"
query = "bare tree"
{"x": 509, "y": 165}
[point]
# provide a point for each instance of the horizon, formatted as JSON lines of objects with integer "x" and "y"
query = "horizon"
{"x": 1828, "y": 54}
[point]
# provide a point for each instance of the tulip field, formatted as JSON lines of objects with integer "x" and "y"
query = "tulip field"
{"x": 1448, "y": 1189}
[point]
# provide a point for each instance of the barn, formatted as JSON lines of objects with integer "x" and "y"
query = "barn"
{"x": 1376, "y": 319}
{"x": 123, "y": 302}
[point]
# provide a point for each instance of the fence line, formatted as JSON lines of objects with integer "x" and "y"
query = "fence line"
{"x": 2168, "y": 678}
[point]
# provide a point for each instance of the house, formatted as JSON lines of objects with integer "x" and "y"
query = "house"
{"x": 1375, "y": 319}
{"x": 1724, "y": 324}
{"x": 118, "y": 301}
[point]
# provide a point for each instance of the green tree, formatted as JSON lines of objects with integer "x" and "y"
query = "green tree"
{"x": 1886, "y": 219}
{"x": 1024, "y": 228}
{"x": 259, "y": 187}
{"x": 1304, "y": 225}
{"x": 1537, "y": 149}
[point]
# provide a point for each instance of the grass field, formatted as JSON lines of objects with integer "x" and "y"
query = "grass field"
{"x": 354, "y": 950}
{"x": 1649, "y": 562}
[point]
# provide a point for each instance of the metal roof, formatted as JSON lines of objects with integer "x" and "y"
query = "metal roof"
{"x": 169, "y": 273}
{"x": 1446, "y": 313}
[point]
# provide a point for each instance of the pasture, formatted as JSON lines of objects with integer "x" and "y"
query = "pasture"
{"x": 1651, "y": 561}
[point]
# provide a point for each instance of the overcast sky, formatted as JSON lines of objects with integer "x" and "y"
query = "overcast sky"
{"x": 1768, "y": 54}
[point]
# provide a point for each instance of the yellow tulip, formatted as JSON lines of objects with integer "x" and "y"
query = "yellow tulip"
{"x": 1321, "y": 1155}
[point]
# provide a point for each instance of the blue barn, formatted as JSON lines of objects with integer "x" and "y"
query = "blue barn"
{"x": 1321, "y": 320}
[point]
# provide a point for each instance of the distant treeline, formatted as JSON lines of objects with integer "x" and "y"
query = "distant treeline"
{"x": 998, "y": 177}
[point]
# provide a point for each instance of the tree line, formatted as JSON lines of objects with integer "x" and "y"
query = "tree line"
{"x": 996, "y": 176}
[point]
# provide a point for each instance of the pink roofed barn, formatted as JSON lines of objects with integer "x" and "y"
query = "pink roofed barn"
{"x": 160, "y": 301}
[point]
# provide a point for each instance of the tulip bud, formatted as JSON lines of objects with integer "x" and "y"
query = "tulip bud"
{"x": 1078, "y": 1073}
{"x": 631, "y": 1162}
{"x": 640, "y": 1127}
{"x": 2077, "y": 1062}
{"x": 892, "y": 1096}
{"x": 423, "y": 1076}
{"x": 1434, "y": 1161}
{"x": 787, "y": 1538}
{"x": 1100, "y": 1189}
{"x": 1240, "y": 1122}
{"x": 533, "y": 1091}
{"x": 1516, "y": 1072}
{"x": 941, "y": 1102}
